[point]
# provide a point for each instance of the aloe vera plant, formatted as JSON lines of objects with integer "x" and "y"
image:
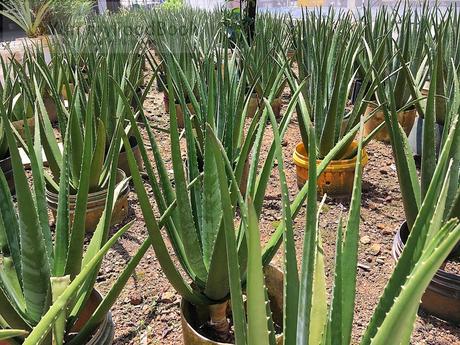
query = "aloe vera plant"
{"x": 41, "y": 274}
{"x": 327, "y": 51}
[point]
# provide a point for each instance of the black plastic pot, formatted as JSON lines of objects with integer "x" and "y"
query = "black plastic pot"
{"x": 442, "y": 297}
{"x": 416, "y": 137}
{"x": 7, "y": 169}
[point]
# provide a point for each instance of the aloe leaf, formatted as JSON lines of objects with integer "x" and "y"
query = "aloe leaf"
{"x": 158, "y": 244}
{"x": 35, "y": 271}
{"x": 291, "y": 285}
{"x": 6, "y": 334}
{"x": 62, "y": 216}
{"x": 98, "y": 157}
{"x": 428, "y": 163}
{"x": 350, "y": 248}
{"x": 10, "y": 233}
{"x": 187, "y": 226}
{"x": 11, "y": 286}
{"x": 77, "y": 235}
{"x": 58, "y": 286}
{"x": 234, "y": 274}
{"x": 212, "y": 208}
{"x": 257, "y": 315}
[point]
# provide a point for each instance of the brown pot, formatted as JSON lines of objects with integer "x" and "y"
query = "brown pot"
{"x": 96, "y": 205}
{"x": 20, "y": 126}
{"x": 123, "y": 157}
{"x": 254, "y": 106}
{"x": 7, "y": 169}
{"x": 337, "y": 179}
{"x": 105, "y": 332}
{"x": 51, "y": 108}
{"x": 442, "y": 297}
{"x": 405, "y": 118}
{"x": 192, "y": 317}
{"x": 179, "y": 110}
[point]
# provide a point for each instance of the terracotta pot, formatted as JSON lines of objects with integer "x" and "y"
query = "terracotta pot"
{"x": 405, "y": 118}
{"x": 105, "y": 332}
{"x": 96, "y": 205}
{"x": 442, "y": 297}
{"x": 179, "y": 110}
{"x": 192, "y": 317}
{"x": 123, "y": 157}
{"x": 7, "y": 169}
{"x": 20, "y": 126}
{"x": 337, "y": 179}
{"x": 254, "y": 106}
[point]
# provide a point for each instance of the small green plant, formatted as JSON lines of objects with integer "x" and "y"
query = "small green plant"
{"x": 173, "y": 4}
{"x": 29, "y": 15}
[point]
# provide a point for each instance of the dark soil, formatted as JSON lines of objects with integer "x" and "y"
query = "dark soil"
{"x": 147, "y": 311}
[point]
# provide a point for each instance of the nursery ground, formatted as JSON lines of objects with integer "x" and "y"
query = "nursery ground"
{"x": 148, "y": 310}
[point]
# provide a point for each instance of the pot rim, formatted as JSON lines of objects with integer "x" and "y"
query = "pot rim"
{"x": 52, "y": 197}
{"x": 374, "y": 106}
{"x": 301, "y": 159}
{"x": 441, "y": 280}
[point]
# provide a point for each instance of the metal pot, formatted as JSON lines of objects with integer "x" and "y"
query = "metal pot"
{"x": 416, "y": 136}
{"x": 193, "y": 317}
{"x": 96, "y": 205}
{"x": 442, "y": 297}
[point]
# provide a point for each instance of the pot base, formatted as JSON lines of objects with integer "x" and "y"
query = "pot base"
{"x": 193, "y": 317}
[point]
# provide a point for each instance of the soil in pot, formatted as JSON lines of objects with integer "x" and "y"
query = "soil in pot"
{"x": 195, "y": 319}
{"x": 96, "y": 205}
{"x": 123, "y": 158}
{"x": 7, "y": 169}
{"x": 405, "y": 118}
{"x": 442, "y": 297}
{"x": 337, "y": 179}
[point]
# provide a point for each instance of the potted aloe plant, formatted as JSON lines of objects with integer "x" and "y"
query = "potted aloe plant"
{"x": 196, "y": 232}
{"x": 442, "y": 56}
{"x": 326, "y": 87}
{"x": 264, "y": 58}
{"x": 83, "y": 128}
{"x": 308, "y": 318}
{"x": 387, "y": 34}
{"x": 439, "y": 177}
{"x": 47, "y": 278}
